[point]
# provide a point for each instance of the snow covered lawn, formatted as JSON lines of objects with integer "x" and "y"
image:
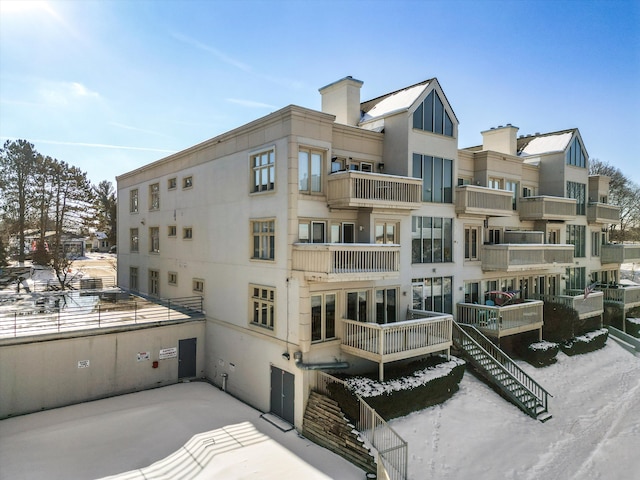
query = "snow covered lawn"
{"x": 594, "y": 432}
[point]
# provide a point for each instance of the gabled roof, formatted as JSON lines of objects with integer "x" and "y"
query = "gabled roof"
{"x": 392, "y": 102}
{"x": 539, "y": 144}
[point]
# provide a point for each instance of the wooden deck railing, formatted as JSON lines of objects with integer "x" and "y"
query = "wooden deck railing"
{"x": 353, "y": 189}
{"x": 502, "y": 321}
{"x": 346, "y": 261}
{"x": 590, "y": 307}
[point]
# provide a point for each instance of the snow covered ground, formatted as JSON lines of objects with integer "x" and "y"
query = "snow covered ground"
{"x": 594, "y": 432}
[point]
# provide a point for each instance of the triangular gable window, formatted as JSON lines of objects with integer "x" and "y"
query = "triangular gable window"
{"x": 575, "y": 154}
{"x": 431, "y": 116}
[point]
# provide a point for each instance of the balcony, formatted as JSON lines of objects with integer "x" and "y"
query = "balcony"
{"x": 586, "y": 307}
{"x": 500, "y": 322}
{"x": 626, "y": 297}
{"x": 341, "y": 262}
{"x": 520, "y": 257}
{"x": 353, "y": 189}
{"x": 547, "y": 208}
{"x": 423, "y": 333}
{"x": 483, "y": 201}
{"x": 602, "y": 213}
{"x": 620, "y": 253}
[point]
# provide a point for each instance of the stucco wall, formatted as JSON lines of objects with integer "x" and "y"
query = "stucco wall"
{"x": 56, "y": 372}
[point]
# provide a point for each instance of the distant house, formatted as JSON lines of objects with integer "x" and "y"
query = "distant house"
{"x": 72, "y": 244}
{"x": 98, "y": 242}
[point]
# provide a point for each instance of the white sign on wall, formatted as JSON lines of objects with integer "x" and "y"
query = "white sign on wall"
{"x": 142, "y": 356}
{"x": 165, "y": 353}
{"x": 83, "y": 363}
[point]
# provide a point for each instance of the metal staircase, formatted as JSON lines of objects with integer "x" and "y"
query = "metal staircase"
{"x": 498, "y": 369}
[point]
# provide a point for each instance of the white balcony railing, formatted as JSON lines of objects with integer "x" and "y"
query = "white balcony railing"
{"x": 484, "y": 201}
{"x": 338, "y": 262}
{"x": 502, "y": 321}
{"x": 629, "y": 297}
{"x": 602, "y": 213}
{"x": 515, "y": 258}
{"x": 353, "y": 189}
{"x": 428, "y": 332}
{"x": 545, "y": 207}
{"x": 586, "y": 307}
{"x": 620, "y": 253}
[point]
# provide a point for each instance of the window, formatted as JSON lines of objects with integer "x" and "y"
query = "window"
{"x": 528, "y": 191}
{"x": 309, "y": 171}
{"x": 471, "y": 294}
{"x": 133, "y": 278}
{"x": 495, "y": 183}
{"x": 553, "y": 236}
{"x": 198, "y": 285}
{"x": 172, "y": 231}
{"x": 579, "y": 192}
{"x": 576, "y": 235}
{"x": 323, "y": 317}
{"x": 133, "y": 201}
{"x": 433, "y": 294}
{"x": 471, "y": 242}
{"x": 493, "y": 236}
{"x": 513, "y": 188}
{"x": 172, "y": 183}
{"x": 173, "y": 278}
{"x": 154, "y": 282}
{"x": 386, "y": 305}
{"x": 575, "y": 154}
{"x": 386, "y": 233}
{"x": 187, "y": 182}
{"x": 431, "y": 116}
{"x": 597, "y": 239}
{"x": 311, "y": 232}
{"x": 154, "y": 240}
{"x": 357, "y": 305}
{"x": 337, "y": 164}
{"x": 154, "y": 196}
{"x": 263, "y": 300}
{"x": 431, "y": 240}
{"x": 344, "y": 232}
{"x": 264, "y": 239}
{"x": 437, "y": 178}
{"x": 576, "y": 278}
{"x": 133, "y": 236}
{"x": 263, "y": 171}
{"x": 187, "y": 233}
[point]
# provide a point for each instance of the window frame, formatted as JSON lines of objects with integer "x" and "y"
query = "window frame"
{"x": 258, "y": 167}
{"x": 134, "y": 200}
{"x": 262, "y": 306}
{"x": 321, "y": 323}
{"x": 172, "y": 231}
{"x": 172, "y": 183}
{"x": 472, "y": 245}
{"x": 134, "y": 240}
{"x": 134, "y": 276}
{"x": 265, "y": 252}
{"x": 187, "y": 233}
{"x": 423, "y": 242}
{"x": 172, "y": 278}
{"x": 154, "y": 197}
{"x": 197, "y": 285}
{"x": 154, "y": 239}
{"x": 187, "y": 182}
{"x": 313, "y": 170}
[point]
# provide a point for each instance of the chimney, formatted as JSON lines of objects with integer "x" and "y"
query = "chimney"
{"x": 342, "y": 99}
{"x": 502, "y": 139}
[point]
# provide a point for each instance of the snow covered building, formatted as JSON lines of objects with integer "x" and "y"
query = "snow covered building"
{"x": 353, "y": 236}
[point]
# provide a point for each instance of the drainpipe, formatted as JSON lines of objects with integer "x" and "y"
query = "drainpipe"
{"x": 297, "y": 357}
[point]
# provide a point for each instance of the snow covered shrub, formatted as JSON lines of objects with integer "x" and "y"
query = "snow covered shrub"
{"x": 586, "y": 343}
{"x": 418, "y": 389}
{"x": 633, "y": 326}
{"x": 540, "y": 354}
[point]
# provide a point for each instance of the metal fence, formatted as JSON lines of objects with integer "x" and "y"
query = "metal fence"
{"x": 392, "y": 449}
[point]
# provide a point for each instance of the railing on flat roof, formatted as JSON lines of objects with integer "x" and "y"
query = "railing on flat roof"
{"x": 72, "y": 282}
{"x": 109, "y": 309}
{"x": 502, "y": 321}
{"x": 477, "y": 200}
{"x": 354, "y": 189}
{"x": 391, "y": 448}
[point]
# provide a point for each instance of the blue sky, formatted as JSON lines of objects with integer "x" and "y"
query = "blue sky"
{"x": 109, "y": 86}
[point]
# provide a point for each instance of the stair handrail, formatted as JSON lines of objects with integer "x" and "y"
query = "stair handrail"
{"x": 540, "y": 393}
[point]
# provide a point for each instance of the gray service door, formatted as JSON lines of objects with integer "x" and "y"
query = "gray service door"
{"x": 187, "y": 358}
{"x": 282, "y": 394}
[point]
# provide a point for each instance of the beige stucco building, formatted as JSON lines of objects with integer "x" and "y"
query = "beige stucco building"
{"x": 320, "y": 239}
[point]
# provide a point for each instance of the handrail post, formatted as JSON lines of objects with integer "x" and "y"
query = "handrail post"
{"x": 15, "y": 323}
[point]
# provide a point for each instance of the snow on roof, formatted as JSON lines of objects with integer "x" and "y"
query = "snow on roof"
{"x": 546, "y": 144}
{"x": 397, "y": 101}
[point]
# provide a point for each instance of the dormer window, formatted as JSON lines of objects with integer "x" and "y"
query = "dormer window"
{"x": 431, "y": 116}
